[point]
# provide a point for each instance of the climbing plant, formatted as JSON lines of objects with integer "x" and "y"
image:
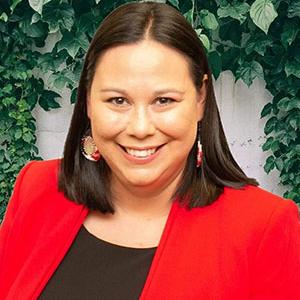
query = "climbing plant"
{"x": 252, "y": 39}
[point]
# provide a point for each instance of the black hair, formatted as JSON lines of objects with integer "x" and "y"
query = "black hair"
{"x": 88, "y": 182}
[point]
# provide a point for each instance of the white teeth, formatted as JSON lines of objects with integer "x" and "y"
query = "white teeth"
{"x": 140, "y": 153}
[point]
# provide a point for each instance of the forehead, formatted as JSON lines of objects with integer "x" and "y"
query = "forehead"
{"x": 144, "y": 61}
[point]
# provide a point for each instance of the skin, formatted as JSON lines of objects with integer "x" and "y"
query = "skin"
{"x": 127, "y": 107}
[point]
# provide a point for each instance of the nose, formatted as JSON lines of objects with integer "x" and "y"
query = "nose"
{"x": 140, "y": 124}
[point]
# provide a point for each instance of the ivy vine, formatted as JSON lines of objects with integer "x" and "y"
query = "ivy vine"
{"x": 252, "y": 39}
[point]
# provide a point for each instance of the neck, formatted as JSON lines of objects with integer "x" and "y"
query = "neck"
{"x": 149, "y": 202}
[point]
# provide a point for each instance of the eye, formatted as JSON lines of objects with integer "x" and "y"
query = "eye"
{"x": 119, "y": 101}
{"x": 164, "y": 101}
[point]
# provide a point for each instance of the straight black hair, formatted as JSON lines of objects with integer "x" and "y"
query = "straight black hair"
{"x": 87, "y": 182}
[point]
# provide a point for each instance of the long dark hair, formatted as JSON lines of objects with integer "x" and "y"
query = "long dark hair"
{"x": 88, "y": 182}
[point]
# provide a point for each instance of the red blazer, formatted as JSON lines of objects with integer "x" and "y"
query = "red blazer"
{"x": 246, "y": 245}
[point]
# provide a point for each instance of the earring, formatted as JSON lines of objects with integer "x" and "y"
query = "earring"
{"x": 199, "y": 148}
{"x": 89, "y": 149}
{"x": 199, "y": 154}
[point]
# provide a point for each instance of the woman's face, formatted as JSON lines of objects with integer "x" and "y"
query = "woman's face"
{"x": 144, "y": 109}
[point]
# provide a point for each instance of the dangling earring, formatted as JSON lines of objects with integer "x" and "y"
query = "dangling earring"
{"x": 199, "y": 148}
{"x": 199, "y": 154}
{"x": 89, "y": 148}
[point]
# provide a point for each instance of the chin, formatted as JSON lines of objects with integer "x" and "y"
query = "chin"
{"x": 140, "y": 182}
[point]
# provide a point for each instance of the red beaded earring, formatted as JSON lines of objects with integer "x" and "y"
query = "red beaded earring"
{"x": 199, "y": 148}
{"x": 89, "y": 149}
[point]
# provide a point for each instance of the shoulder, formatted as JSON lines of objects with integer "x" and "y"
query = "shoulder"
{"x": 254, "y": 200}
{"x": 41, "y": 171}
{"x": 36, "y": 177}
{"x": 248, "y": 210}
{"x": 257, "y": 211}
{"x": 36, "y": 187}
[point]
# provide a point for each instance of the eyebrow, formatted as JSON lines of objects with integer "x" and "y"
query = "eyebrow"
{"x": 157, "y": 92}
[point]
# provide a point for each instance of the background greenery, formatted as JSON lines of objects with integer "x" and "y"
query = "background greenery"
{"x": 253, "y": 39}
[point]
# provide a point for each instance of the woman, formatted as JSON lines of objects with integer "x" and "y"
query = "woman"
{"x": 147, "y": 201}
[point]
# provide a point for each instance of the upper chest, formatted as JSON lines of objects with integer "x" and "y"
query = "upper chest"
{"x": 128, "y": 232}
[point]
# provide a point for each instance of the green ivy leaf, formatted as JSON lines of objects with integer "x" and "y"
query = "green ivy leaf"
{"x": 51, "y": 61}
{"x": 14, "y": 3}
{"x": 58, "y": 16}
{"x": 189, "y": 16}
{"x": 270, "y": 125}
{"x": 7, "y": 89}
{"x": 270, "y": 164}
{"x": 266, "y": 110}
{"x": 230, "y": 58}
{"x": 35, "y": 30}
{"x": 279, "y": 163}
{"x": 174, "y": 3}
{"x": 287, "y": 104}
{"x": 208, "y": 20}
{"x": 249, "y": 71}
{"x": 72, "y": 43}
{"x": 231, "y": 31}
{"x": 47, "y": 100}
{"x": 275, "y": 146}
{"x": 203, "y": 38}
{"x": 294, "y": 9}
{"x": 37, "y": 5}
{"x": 235, "y": 10}
{"x": 74, "y": 95}
{"x": 258, "y": 44}
{"x": 290, "y": 32}
{"x": 28, "y": 137}
{"x": 294, "y": 121}
{"x": 263, "y": 13}
{"x": 292, "y": 195}
{"x": 59, "y": 81}
{"x": 87, "y": 23}
{"x": 267, "y": 145}
{"x": 4, "y": 17}
{"x": 35, "y": 18}
{"x": 215, "y": 62}
{"x": 205, "y": 41}
{"x": 292, "y": 68}
{"x": 18, "y": 133}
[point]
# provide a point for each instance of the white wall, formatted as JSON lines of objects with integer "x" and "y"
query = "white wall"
{"x": 240, "y": 109}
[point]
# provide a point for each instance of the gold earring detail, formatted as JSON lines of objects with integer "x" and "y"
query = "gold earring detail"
{"x": 89, "y": 149}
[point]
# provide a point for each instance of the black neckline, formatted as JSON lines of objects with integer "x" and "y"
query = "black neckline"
{"x": 103, "y": 242}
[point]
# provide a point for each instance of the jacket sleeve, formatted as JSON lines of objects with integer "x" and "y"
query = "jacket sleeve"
{"x": 276, "y": 273}
{"x": 9, "y": 218}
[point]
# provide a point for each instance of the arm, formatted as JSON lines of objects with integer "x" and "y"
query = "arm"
{"x": 276, "y": 270}
{"x": 9, "y": 220}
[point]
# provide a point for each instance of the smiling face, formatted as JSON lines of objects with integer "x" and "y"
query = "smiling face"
{"x": 144, "y": 108}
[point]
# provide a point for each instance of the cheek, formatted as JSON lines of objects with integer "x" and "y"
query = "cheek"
{"x": 179, "y": 123}
{"x": 105, "y": 124}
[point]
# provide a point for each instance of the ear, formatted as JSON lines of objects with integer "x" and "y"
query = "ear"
{"x": 201, "y": 97}
{"x": 88, "y": 105}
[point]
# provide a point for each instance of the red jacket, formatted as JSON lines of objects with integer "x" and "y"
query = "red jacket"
{"x": 246, "y": 245}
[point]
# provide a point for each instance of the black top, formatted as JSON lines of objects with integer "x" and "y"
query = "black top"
{"x": 96, "y": 269}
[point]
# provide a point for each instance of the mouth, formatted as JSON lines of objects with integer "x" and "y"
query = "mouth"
{"x": 141, "y": 153}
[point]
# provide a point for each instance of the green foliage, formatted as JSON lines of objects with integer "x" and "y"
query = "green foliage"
{"x": 263, "y": 13}
{"x": 260, "y": 39}
{"x": 252, "y": 39}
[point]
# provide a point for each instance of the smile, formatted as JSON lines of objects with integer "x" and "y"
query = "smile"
{"x": 140, "y": 153}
